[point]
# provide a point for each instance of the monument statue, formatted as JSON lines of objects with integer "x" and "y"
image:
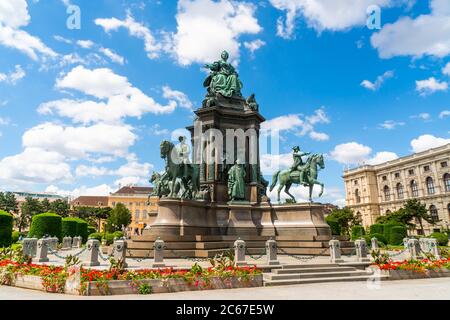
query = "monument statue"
{"x": 236, "y": 183}
{"x": 223, "y": 79}
{"x": 183, "y": 151}
{"x": 299, "y": 173}
{"x": 251, "y": 102}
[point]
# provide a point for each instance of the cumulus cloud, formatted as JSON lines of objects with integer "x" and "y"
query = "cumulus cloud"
{"x": 429, "y": 86}
{"x": 178, "y": 96}
{"x": 374, "y": 86}
{"x": 425, "y": 35}
{"x": 356, "y": 153}
{"x": 336, "y": 15}
{"x": 427, "y": 141}
{"x": 119, "y": 98}
{"x": 444, "y": 114}
{"x": 254, "y": 45}
{"x": 13, "y": 16}
{"x": 390, "y": 124}
{"x": 446, "y": 69}
{"x": 381, "y": 157}
{"x": 86, "y": 44}
{"x": 114, "y": 57}
{"x": 100, "y": 190}
{"x": 423, "y": 116}
{"x": 14, "y": 76}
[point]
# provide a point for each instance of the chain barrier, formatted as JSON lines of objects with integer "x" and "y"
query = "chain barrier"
{"x": 138, "y": 259}
{"x": 107, "y": 256}
{"x": 56, "y": 254}
{"x": 189, "y": 258}
{"x": 255, "y": 257}
{"x": 352, "y": 253}
{"x": 301, "y": 257}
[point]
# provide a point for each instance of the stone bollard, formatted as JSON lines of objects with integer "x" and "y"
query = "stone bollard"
{"x": 42, "y": 251}
{"x": 76, "y": 242}
{"x": 53, "y": 243}
{"x": 335, "y": 251}
{"x": 91, "y": 255}
{"x": 405, "y": 243}
{"x": 374, "y": 243}
{"x": 29, "y": 247}
{"x": 158, "y": 254}
{"x": 361, "y": 250}
{"x": 423, "y": 243}
{"x": 120, "y": 251}
{"x": 67, "y": 243}
{"x": 271, "y": 252}
{"x": 434, "y": 249}
{"x": 414, "y": 249}
{"x": 239, "y": 253}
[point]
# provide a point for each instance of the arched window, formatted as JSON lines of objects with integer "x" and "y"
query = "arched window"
{"x": 357, "y": 196}
{"x": 137, "y": 214}
{"x": 387, "y": 193}
{"x": 447, "y": 182}
{"x": 448, "y": 209}
{"x": 434, "y": 213}
{"x": 414, "y": 189}
{"x": 145, "y": 215}
{"x": 430, "y": 185}
{"x": 399, "y": 191}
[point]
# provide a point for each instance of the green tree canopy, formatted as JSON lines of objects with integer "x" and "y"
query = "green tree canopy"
{"x": 61, "y": 207}
{"x": 119, "y": 216}
{"x": 345, "y": 218}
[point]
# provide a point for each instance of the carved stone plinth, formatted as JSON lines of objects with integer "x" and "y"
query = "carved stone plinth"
{"x": 240, "y": 221}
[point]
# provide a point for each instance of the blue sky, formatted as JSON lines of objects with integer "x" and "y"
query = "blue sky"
{"x": 82, "y": 111}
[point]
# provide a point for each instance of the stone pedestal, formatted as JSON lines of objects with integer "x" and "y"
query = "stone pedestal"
{"x": 91, "y": 254}
{"x": 335, "y": 251}
{"x": 239, "y": 252}
{"x": 120, "y": 251}
{"x": 42, "y": 251}
{"x": 414, "y": 249}
{"x": 361, "y": 250}
{"x": 67, "y": 243}
{"x": 158, "y": 256}
{"x": 271, "y": 251}
{"x": 374, "y": 243}
{"x": 240, "y": 221}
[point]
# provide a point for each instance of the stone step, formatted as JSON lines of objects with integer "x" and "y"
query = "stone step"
{"x": 310, "y": 265}
{"x": 324, "y": 279}
{"x": 312, "y": 270}
{"x": 275, "y": 276}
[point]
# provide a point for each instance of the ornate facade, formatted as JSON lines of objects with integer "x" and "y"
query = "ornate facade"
{"x": 376, "y": 190}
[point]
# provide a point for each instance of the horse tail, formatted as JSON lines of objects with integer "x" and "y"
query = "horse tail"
{"x": 274, "y": 180}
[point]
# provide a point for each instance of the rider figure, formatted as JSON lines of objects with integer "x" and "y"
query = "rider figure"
{"x": 298, "y": 161}
{"x": 183, "y": 151}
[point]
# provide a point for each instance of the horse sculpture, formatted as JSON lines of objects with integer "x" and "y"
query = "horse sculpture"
{"x": 187, "y": 175}
{"x": 306, "y": 177}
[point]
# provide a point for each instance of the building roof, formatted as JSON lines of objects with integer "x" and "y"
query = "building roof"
{"x": 134, "y": 190}
{"x": 37, "y": 195}
{"x": 90, "y": 201}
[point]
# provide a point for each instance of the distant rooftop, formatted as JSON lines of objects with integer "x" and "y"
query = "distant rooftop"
{"x": 90, "y": 201}
{"x": 413, "y": 156}
{"x": 42, "y": 195}
{"x": 133, "y": 190}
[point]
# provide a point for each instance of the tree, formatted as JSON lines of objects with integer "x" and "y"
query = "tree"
{"x": 9, "y": 203}
{"x": 28, "y": 209}
{"x": 120, "y": 216}
{"x": 60, "y": 207}
{"x": 345, "y": 218}
{"x": 402, "y": 216}
{"x": 102, "y": 214}
{"x": 46, "y": 206}
{"x": 418, "y": 211}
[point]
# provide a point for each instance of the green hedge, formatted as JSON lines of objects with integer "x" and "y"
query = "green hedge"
{"x": 96, "y": 235}
{"x": 46, "y": 224}
{"x": 82, "y": 229}
{"x": 357, "y": 232}
{"x": 6, "y": 227}
{"x": 380, "y": 237}
{"x": 442, "y": 238}
{"x": 91, "y": 230}
{"x": 15, "y": 236}
{"x": 388, "y": 227}
{"x": 118, "y": 234}
{"x": 377, "y": 228}
{"x": 334, "y": 226}
{"x": 109, "y": 237}
{"x": 69, "y": 227}
{"x": 397, "y": 234}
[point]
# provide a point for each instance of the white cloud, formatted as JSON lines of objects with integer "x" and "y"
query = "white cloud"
{"x": 427, "y": 141}
{"x": 206, "y": 27}
{"x": 114, "y": 57}
{"x": 62, "y": 39}
{"x": 180, "y": 97}
{"x": 374, "y": 86}
{"x": 429, "y": 86}
{"x": 79, "y": 142}
{"x": 254, "y": 45}
{"x": 122, "y": 99}
{"x": 271, "y": 163}
{"x": 391, "y": 124}
{"x": 350, "y": 153}
{"x": 83, "y": 171}
{"x": 319, "y": 136}
{"x": 14, "y": 15}
{"x": 158, "y": 131}
{"x": 135, "y": 29}
{"x": 34, "y": 165}
{"x": 443, "y": 114}
{"x": 86, "y": 44}
{"x": 381, "y": 157}
{"x": 446, "y": 69}
{"x": 424, "y": 116}
{"x": 424, "y": 35}
{"x": 322, "y": 15}
{"x": 14, "y": 76}
{"x": 100, "y": 190}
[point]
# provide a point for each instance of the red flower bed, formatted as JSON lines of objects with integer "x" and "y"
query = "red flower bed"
{"x": 415, "y": 265}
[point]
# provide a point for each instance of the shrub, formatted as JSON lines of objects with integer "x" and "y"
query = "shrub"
{"x": 441, "y": 238}
{"x": 91, "y": 230}
{"x": 388, "y": 227}
{"x": 82, "y": 229}
{"x": 69, "y": 227}
{"x": 377, "y": 228}
{"x": 15, "y": 236}
{"x": 380, "y": 237}
{"x": 357, "y": 232}
{"x": 334, "y": 226}
{"x": 6, "y": 226}
{"x": 109, "y": 237}
{"x": 46, "y": 224}
{"x": 118, "y": 234}
{"x": 397, "y": 233}
{"x": 96, "y": 235}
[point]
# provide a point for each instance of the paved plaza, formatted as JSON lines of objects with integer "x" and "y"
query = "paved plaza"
{"x": 428, "y": 289}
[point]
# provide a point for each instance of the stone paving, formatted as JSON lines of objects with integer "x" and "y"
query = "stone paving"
{"x": 420, "y": 289}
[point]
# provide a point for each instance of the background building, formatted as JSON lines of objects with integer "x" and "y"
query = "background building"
{"x": 135, "y": 199}
{"x": 374, "y": 190}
